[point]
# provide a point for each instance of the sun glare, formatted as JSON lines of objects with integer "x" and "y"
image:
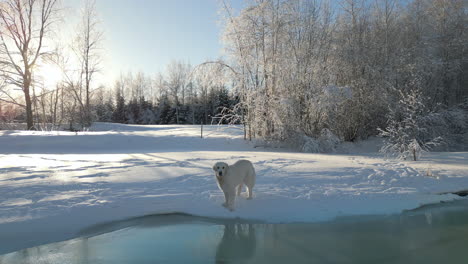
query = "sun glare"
{"x": 49, "y": 75}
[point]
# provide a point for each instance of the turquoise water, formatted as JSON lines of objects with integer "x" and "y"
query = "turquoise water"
{"x": 435, "y": 234}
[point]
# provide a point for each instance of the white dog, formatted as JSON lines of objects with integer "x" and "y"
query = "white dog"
{"x": 231, "y": 177}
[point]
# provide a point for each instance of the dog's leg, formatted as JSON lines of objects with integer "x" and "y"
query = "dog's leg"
{"x": 250, "y": 192}
{"x": 239, "y": 189}
{"x": 231, "y": 197}
{"x": 225, "y": 204}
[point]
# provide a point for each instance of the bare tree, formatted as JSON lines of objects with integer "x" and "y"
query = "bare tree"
{"x": 177, "y": 79}
{"x": 177, "y": 76}
{"x": 159, "y": 86}
{"x": 87, "y": 48}
{"x": 24, "y": 26}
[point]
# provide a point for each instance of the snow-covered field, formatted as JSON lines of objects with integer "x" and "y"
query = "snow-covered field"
{"x": 53, "y": 184}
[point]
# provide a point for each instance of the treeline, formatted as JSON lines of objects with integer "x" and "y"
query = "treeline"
{"x": 171, "y": 99}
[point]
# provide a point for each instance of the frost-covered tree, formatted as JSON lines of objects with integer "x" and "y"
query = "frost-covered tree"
{"x": 408, "y": 132}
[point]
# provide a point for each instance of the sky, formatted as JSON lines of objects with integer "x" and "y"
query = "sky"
{"x": 145, "y": 35}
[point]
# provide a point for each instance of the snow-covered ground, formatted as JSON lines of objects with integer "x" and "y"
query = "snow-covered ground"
{"x": 53, "y": 184}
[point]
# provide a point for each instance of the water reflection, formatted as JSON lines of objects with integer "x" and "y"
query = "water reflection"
{"x": 237, "y": 245}
{"x": 431, "y": 235}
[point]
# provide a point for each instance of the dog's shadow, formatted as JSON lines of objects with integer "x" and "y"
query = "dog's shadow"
{"x": 238, "y": 244}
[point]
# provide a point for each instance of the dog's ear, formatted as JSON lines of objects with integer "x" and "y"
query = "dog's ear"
{"x": 214, "y": 167}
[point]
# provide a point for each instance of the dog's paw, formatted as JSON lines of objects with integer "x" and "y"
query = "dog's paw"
{"x": 224, "y": 205}
{"x": 249, "y": 198}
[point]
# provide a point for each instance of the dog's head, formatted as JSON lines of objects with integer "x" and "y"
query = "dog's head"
{"x": 220, "y": 169}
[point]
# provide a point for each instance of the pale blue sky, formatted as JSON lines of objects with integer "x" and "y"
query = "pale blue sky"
{"x": 147, "y": 34}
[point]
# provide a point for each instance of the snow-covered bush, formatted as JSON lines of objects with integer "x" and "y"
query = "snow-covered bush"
{"x": 325, "y": 143}
{"x": 310, "y": 145}
{"x": 409, "y": 132}
{"x": 328, "y": 141}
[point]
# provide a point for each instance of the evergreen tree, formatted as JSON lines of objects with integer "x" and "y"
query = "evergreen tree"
{"x": 223, "y": 102}
{"x": 119, "y": 112}
{"x": 132, "y": 112}
{"x": 105, "y": 111}
{"x": 147, "y": 115}
{"x": 165, "y": 110}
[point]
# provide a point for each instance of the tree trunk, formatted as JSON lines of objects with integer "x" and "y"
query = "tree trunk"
{"x": 27, "y": 98}
{"x": 243, "y": 122}
{"x": 88, "y": 80}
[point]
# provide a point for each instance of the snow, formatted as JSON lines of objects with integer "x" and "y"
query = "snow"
{"x": 54, "y": 184}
